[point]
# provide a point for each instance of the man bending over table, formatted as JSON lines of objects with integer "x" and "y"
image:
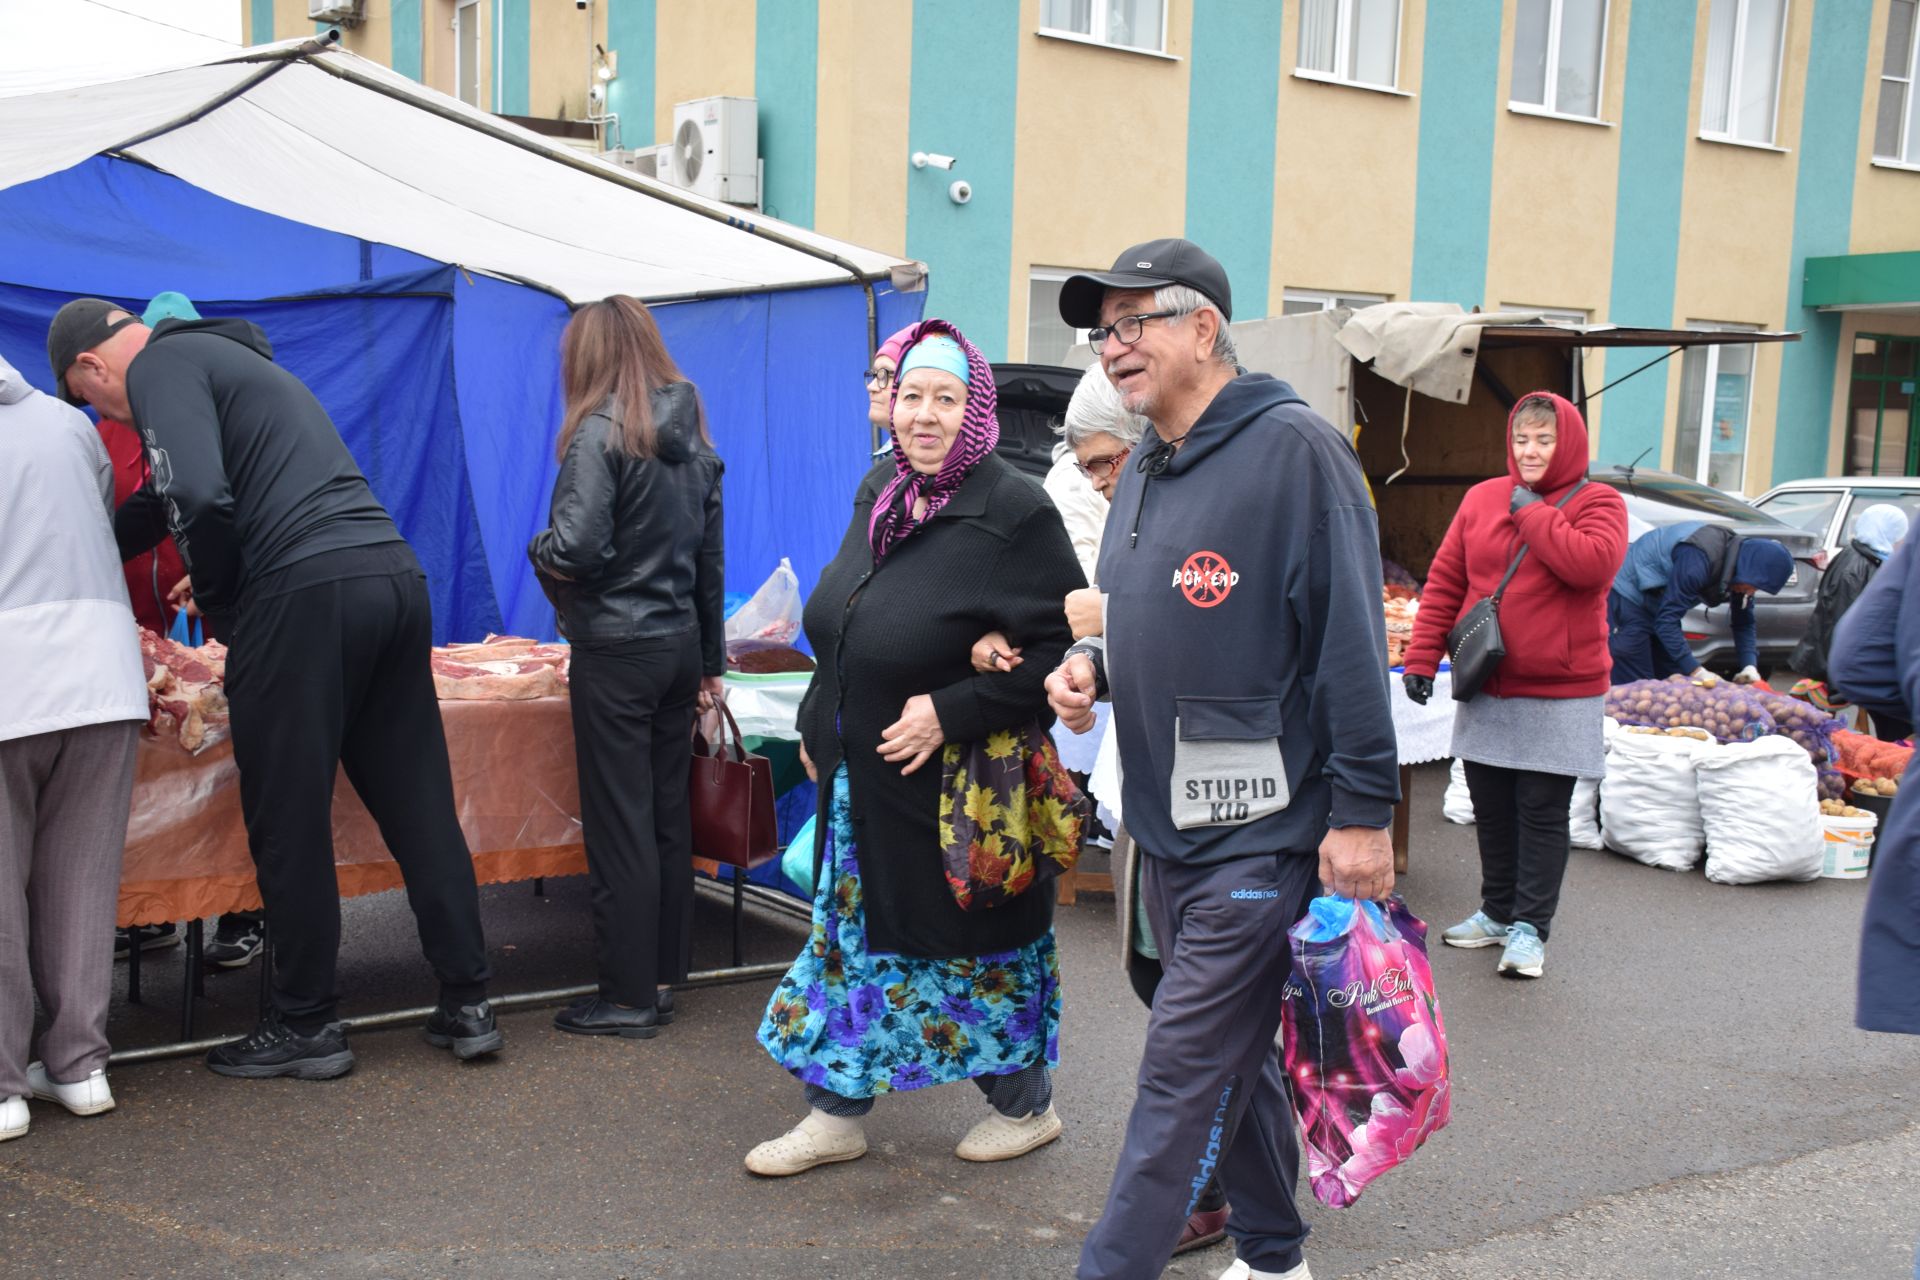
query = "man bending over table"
{"x": 324, "y": 609}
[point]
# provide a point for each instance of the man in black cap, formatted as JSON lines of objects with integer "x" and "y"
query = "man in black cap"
{"x": 300, "y": 569}
{"x": 1244, "y": 652}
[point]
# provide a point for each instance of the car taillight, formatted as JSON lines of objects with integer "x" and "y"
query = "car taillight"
{"x": 1694, "y": 635}
{"x": 1819, "y": 560}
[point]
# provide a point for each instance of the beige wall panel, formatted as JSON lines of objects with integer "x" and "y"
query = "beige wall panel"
{"x": 559, "y": 61}
{"x": 1083, "y": 189}
{"x": 705, "y": 49}
{"x": 1886, "y": 202}
{"x": 436, "y": 46}
{"x": 1736, "y": 237}
{"x": 1344, "y": 175}
{"x": 860, "y": 121}
{"x": 1551, "y": 228}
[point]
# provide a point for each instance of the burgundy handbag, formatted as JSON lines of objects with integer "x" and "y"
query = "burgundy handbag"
{"x": 730, "y": 794}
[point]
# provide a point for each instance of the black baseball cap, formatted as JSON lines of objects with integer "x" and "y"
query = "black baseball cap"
{"x": 80, "y": 326}
{"x": 1146, "y": 266}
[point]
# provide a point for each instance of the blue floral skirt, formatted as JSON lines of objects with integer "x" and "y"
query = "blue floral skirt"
{"x": 860, "y": 1024}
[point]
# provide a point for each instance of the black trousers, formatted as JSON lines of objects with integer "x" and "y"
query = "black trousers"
{"x": 337, "y": 674}
{"x": 1521, "y": 819}
{"x": 633, "y": 708}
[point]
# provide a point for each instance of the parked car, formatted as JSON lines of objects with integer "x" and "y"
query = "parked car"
{"x": 1032, "y": 398}
{"x": 1656, "y": 498}
{"x": 1830, "y": 506}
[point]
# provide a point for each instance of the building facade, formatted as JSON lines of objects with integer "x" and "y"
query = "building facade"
{"x": 1661, "y": 163}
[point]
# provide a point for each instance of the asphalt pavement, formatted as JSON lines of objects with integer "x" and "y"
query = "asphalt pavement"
{"x": 1682, "y": 1095}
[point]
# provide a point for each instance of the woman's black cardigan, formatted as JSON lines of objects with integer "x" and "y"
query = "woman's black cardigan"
{"x": 996, "y": 557}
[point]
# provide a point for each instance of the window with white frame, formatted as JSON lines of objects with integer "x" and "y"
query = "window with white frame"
{"x": 1352, "y": 41}
{"x": 1896, "y": 131}
{"x": 1716, "y": 392}
{"x": 1049, "y": 338}
{"x": 1559, "y": 56}
{"x": 1552, "y": 315}
{"x": 1740, "y": 98}
{"x": 1295, "y": 302}
{"x": 1130, "y": 24}
{"x": 466, "y": 52}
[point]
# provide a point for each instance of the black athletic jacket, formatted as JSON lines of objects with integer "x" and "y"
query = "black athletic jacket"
{"x": 249, "y": 473}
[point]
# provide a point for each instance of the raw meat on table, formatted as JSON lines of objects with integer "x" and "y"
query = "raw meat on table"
{"x": 500, "y": 668}
{"x": 186, "y": 694}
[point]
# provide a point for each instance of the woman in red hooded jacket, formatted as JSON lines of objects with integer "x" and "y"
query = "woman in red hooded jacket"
{"x": 1535, "y": 725}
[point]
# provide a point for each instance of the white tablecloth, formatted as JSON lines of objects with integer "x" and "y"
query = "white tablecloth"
{"x": 1424, "y": 733}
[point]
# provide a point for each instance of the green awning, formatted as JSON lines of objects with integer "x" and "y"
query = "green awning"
{"x": 1863, "y": 280}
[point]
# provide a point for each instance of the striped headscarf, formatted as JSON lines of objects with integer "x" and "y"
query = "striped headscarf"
{"x": 979, "y": 433}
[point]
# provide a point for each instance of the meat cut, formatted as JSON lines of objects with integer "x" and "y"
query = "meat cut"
{"x": 186, "y": 694}
{"x": 500, "y": 668}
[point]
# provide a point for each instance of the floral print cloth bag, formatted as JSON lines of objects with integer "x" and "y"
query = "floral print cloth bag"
{"x": 1366, "y": 1050}
{"x": 1010, "y": 816}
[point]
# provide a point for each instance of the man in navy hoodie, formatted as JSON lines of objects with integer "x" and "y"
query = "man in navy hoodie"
{"x": 1245, "y": 654}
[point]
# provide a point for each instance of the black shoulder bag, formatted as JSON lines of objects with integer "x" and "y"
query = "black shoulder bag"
{"x": 1474, "y": 645}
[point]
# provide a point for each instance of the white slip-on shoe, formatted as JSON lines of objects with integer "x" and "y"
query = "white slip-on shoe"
{"x": 809, "y": 1143}
{"x": 13, "y": 1117}
{"x": 1001, "y": 1138}
{"x": 1241, "y": 1271}
{"x": 87, "y": 1097}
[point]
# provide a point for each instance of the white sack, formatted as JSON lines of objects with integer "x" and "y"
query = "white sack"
{"x": 1650, "y": 800}
{"x": 1458, "y": 804}
{"x": 1760, "y": 805}
{"x": 1583, "y": 815}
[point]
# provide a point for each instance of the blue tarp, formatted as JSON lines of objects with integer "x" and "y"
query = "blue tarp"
{"x": 445, "y": 384}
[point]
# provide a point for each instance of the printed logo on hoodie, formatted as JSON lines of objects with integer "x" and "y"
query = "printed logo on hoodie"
{"x": 1205, "y": 579}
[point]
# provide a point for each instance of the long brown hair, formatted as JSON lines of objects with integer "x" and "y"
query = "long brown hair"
{"x": 613, "y": 349}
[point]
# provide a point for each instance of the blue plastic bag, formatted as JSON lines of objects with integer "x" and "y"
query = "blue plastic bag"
{"x": 796, "y": 864}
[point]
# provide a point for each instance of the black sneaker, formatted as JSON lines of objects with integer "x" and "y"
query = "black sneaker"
{"x": 151, "y": 937}
{"x": 468, "y": 1030}
{"x": 663, "y": 1006}
{"x": 236, "y": 941}
{"x": 275, "y": 1049}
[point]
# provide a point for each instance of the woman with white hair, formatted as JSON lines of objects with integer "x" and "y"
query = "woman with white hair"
{"x": 1095, "y": 438}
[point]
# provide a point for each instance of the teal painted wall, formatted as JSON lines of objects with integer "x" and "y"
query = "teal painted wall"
{"x": 1459, "y": 91}
{"x": 632, "y": 34}
{"x": 407, "y": 55}
{"x": 1822, "y": 225}
{"x": 966, "y": 59}
{"x": 1235, "y": 76}
{"x": 786, "y": 60}
{"x": 262, "y": 21}
{"x": 516, "y": 37}
{"x": 1654, "y": 130}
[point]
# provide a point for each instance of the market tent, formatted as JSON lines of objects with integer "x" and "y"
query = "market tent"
{"x": 414, "y": 260}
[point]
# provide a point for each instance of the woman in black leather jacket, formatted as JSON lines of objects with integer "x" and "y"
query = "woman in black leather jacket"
{"x": 632, "y": 559}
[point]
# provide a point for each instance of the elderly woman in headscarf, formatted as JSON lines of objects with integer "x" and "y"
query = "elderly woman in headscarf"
{"x": 897, "y": 987}
{"x": 1878, "y": 531}
{"x": 879, "y": 376}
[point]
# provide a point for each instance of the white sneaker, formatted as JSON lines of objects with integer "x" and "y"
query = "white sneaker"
{"x": 13, "y": 1117}
{"x": 1241, "y": 1271}
{"x": 87, "y": 1097}
{"x": 809, "y": 1143}
{"x": 999, "y": 1138}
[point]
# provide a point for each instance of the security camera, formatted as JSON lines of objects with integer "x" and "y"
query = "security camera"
{"x": 921, "y": 159}
{"x": 960, "y": 191}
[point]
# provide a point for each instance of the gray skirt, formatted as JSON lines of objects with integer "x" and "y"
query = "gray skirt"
{"x": 1544, "y": 735}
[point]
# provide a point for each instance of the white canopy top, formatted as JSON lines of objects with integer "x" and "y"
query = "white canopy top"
{"x": 324, "y": 137}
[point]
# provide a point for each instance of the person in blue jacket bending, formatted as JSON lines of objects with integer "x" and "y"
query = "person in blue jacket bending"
{"x": 1674, "y": 568}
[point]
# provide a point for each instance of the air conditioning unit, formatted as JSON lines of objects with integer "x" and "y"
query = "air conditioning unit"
{"x": 716, "y": 149}
{"x": 648, "y": 162}
{"x": 344, "y": 12}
